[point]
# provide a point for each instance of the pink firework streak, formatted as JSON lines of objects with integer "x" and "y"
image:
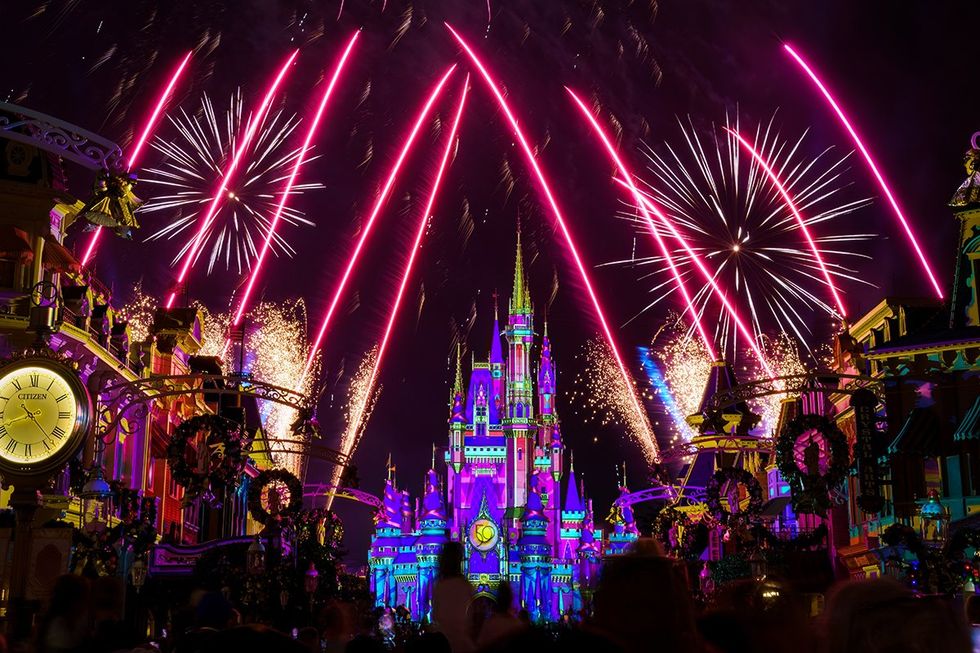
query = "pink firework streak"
{"x": 628, "y": 176}
{"x": 239, "y": 153}
{"x": 791, "y": 205}
{"x": 556, "y": 212}
{"x": 644, "y": 199}
{"x": 378, "y": 205}
{"x": 300, "y": 160}
{"x": 407, "y": 272}
{"x": 871, "y": 165}
{"x": 141, "y": 141}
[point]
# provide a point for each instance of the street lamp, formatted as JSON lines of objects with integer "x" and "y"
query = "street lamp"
{"x": 757, "y": 564}
{"x": 934, "y": 521}
{"x": 137, "y": 574}
{"x": 95, "y": 496}
{"x": 255, "y": 560}
{"x": 310, "y": 582}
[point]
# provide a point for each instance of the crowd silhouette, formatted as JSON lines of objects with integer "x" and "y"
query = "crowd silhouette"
{"x": 643, "y": 602}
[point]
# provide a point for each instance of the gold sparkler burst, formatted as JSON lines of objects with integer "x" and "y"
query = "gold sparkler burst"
{"x": 214, "y": 332}
{"x": 686, "y": 366}
{"x": 139, "y": 313}
{"x": 603, "y": 393}
{"x": 361, "y": 399}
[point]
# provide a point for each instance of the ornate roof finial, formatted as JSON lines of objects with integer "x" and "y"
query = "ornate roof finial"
{"x": 520, "y": 295}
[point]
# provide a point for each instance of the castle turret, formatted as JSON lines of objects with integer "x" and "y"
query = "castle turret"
{"x": 432, "y": 536}
{"x": 497, "y": 366}
{"x": 519, "y": 426}
{"x": 457, "y": 419}
{"x": 572, "y": 518}
{"x": 535, "y": 555}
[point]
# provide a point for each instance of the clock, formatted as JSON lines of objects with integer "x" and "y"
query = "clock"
{"x": 483, "y": 534}
{"x": 45, "y": 412}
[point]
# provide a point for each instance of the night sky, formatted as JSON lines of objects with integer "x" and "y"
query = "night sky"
{"x": 903, "y": 71}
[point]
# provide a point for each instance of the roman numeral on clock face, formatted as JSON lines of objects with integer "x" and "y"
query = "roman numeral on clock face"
{"x": 58, "y": 432}
{"x": 35, "y": 379}
{"x": 61, "y": 398}
{"x": 64, "y": 414}
{"x": 27, "y": 450}
{"x": 12, "y": 445}
{"x": 16, "y": 384}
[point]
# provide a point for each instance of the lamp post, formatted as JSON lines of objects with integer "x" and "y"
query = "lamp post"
{"x": 137, "y": 574}
{"x": 255, "y": 560}
{"x": 934, "y": 521}
{"x": 95, "y": 496}
{"x": 310, "y": 582}
{"x": 757, "y": 564}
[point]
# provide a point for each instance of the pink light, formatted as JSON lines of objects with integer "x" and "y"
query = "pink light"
{"x": 141, "y": 141}
{"x": 788, "y": 200}
{"x": 871, "y": 164}
{"x": 546, "y": 190}
{"x": 709, "y": 278}
{"x": 378, "y": 205}
{"x": 300, "y": 160}
{"x": 239, "y": 153}
{"x": 628, "y": 176}
{"x": 407, "y": 272}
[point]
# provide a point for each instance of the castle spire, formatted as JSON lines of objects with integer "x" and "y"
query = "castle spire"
{"x": 496, "y": 351}
{"x": 520, "y": 297}
{"x": 458, "y": 383}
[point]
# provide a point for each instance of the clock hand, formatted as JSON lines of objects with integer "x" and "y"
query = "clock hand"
{"x": 29, "y": 415}
{"x": 34, "y": 419}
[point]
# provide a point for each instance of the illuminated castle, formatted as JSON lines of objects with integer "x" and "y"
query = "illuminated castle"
{"x": 505, "y": 467}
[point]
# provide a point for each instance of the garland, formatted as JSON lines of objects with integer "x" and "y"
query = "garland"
{"x": 288, "y": 512}
{"x": 813, "y": 538}
{"x": 226, "y": 462}
{"x": 811, "y": 488}
{"x": 689, "y": 545}
{"x": 735, "y": 475}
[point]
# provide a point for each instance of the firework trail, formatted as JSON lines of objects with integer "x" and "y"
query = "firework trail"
{"x": 243, "y": 144}
{"x": 638, "y": 200}
{"x": 358, "y": 422}
{"x": 193, "y": 165}
{"x": 871, "y": 164}
{"x": 361, "y": 398}
{"x": 140, "y": 142}
{"x": 378, "y": 205}
{"x": 287, "y": 190}
{"x": 663, "y": 391}
{"x": 732, "y": 217}
{"x": 791, "y": 205}
{"x": 627, "y": 380}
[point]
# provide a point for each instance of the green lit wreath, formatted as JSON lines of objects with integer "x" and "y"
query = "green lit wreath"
{"x": 689, "y": 544}
{"x": 225, "y": 463}
{"x": 813, "y": 458}
{"x": 739, "y": 476}
{"x": 288, "y": 512}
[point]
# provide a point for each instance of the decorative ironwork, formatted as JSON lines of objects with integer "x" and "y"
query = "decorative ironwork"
{"x": 669, "y": 493}
{"x": 795, "y": 384}
{"x": 314, "y": 490}
{"x": 59, "y": 137}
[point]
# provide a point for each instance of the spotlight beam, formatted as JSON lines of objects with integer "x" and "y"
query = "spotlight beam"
{"x": 791, "y": 205}
{"x": 141, "y": 141}
{"x": 379, "y": 203}
{"x": 896, "y": 209}
{"x": 654, "y": 231}
{"x": 549, "y": 197}
{"x": 239, "y": 153}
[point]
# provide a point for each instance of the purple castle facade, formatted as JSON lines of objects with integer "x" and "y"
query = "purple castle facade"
{"x": 504, "y": 480}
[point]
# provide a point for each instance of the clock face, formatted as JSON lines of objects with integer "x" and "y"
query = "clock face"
{"x": 39, "y": 412}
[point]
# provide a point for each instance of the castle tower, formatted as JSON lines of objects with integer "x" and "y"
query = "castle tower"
{"x": 497, "y": 362}
{"x": 432, "y": 536}
{"x": 518, "y": 422}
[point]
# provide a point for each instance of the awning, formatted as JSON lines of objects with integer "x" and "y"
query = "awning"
{"x": 969, "y": 428}
{"x": 919, "y": 436}
{"x": 776, "y": 507}
{"x": 57, "y": 258}
{"x": 14, "y": 244}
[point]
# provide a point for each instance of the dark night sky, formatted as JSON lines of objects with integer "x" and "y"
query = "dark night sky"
{"x": 901, "y": 69}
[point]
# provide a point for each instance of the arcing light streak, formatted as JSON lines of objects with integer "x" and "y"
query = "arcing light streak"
{"x": 556, "y": 212}
{"x": 378, "y": 205}
{"x": 239, "y": 152}
{"x": 300, "y": 160}
{"x": 710, "y": 279}
{"x": 356, "y": 427}
{"x": 791, "y": 205}
{"x": 141, "y": 141}
{"x": 871, "y": 164}
{"x": 628, "y": 176}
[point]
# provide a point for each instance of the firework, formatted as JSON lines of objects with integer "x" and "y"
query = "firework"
{"x": 685, "y": 367}
{"x": 139, "y": 313}
{"x": 291, "y": 181}
{"x": 871, "y": 165}
{"x": 140, "y": 142}
{"x": 193, "y": 166}
{"x": 730, "y": 216}
{"x": 783, "y": 355}
{"x": 629, "y": 388}
{"x": 601, "y": 391}
{"x": 358, "y": 418}
{"x": 240, "y": 148}
{"x": 361, "y": 398}
{"x": 378, "y": 205}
